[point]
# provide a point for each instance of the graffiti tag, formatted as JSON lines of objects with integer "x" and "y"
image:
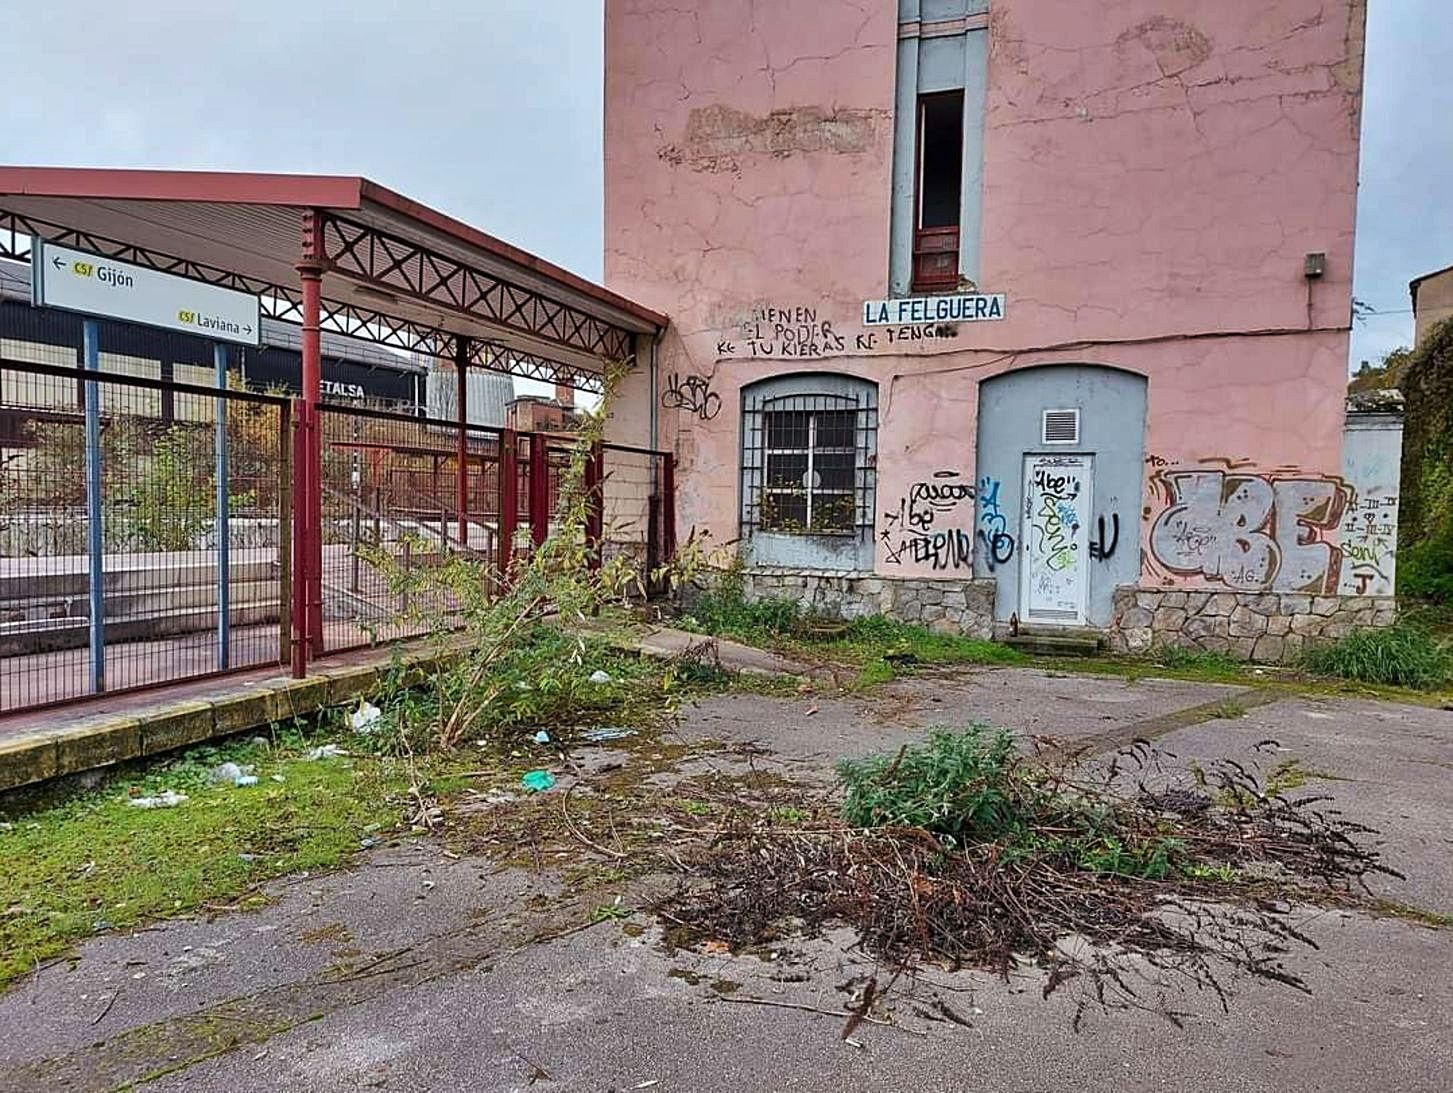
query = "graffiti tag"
{"x": 692, "y": 394}
{"x": 911, "y": 531}
{"x": 1369, "y": 545}
{"x": 1250, "y": 531}
{"x": 993, "y": 530}
{"x": 1101, "y": 550}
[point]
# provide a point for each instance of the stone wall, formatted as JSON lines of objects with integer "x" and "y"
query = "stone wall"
{"x": 1273, "y": 627}
{"x": 954, "y": 606}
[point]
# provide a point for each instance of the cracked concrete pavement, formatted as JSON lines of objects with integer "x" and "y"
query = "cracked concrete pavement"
{"x": 415, "y": 970}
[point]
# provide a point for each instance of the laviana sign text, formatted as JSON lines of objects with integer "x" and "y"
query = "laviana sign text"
{"x": 76, "y": 281}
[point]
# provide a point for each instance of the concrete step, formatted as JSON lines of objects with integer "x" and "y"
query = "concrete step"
{"x": 1055, "y": 641}
{"x": 25, "y": 581}
{"x": 136, "y": 604}
{"x": 50, "y": 635}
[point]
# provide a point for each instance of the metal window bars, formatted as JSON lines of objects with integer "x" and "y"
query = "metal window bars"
{"x": 808, "y": 463}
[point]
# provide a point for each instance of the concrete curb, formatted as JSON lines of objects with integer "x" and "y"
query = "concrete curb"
{"x": 103, "y": 740}
{"x": 107, "y": 739}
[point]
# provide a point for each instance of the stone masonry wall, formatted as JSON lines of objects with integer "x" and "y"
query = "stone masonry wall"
{"x": 947, "y": 606}
{"x": 1272, "y": 627}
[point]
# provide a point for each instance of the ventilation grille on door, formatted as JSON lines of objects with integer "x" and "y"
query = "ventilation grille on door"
{"x": 1061, "y": 427}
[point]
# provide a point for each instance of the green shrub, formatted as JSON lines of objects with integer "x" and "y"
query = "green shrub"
{"x": 973, "y": 788}
{"x": 1425, "y": 569}
{"x": 728, "y": 614}
{"x": 1404, "y": 655}
{"x": 956, "y": 785}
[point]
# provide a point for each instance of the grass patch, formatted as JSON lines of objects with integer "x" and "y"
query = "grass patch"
{"x": 1201, "y": 663}
{"x": 881, "y": 647}
{"x": 1290, "y": 774}
{"x": 725, "y": 612}
{"x": 902, "y": 645}
{"x": 1405, "y": 655}
{"x": 95, "y": 863}
{"x": 1229, "y": 710}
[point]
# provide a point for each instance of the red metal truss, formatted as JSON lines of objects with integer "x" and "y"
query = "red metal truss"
{"x": 276, "y": 300}
{"x": 374, "y": 257}
{"x": 512, "y": 362}
{"x": 284, "y": 303}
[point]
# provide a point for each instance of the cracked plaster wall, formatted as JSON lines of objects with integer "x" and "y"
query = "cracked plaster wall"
{"x": 1154, "y": 174}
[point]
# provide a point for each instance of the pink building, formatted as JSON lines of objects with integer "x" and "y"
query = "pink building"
{"x": 993, "y": 310}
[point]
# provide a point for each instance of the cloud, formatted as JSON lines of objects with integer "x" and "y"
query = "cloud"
{"x": 1404, "y": 220}
{"x": 487, "y": 109}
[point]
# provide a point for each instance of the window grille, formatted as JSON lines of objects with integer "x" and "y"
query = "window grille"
{"x": 808, "y": 459}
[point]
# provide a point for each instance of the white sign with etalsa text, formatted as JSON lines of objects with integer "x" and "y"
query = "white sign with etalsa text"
{"x": 914, "y": 310}
{"x": 76, "y": 281}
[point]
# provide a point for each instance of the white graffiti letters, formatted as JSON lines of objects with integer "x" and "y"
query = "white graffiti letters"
{"x": 1250, "y": 531}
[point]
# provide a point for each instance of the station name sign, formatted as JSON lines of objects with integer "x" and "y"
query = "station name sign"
{"x": 914, "y": 310}
{"x": 76, "y": 281}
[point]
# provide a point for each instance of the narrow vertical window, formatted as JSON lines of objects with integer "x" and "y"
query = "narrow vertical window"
{"x": 939, "y": 191}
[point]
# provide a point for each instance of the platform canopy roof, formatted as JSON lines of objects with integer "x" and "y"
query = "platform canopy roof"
{"x": 395, "y": 272}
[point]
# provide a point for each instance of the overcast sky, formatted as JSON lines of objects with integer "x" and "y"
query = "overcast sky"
{"x": 490, "y": 110}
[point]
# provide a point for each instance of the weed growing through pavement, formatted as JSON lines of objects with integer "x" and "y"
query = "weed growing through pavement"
{"x": 964, "y": 851}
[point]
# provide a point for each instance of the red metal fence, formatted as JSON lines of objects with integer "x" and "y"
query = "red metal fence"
{"x": 186, "y": 580}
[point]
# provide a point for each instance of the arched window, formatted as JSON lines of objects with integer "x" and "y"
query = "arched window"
{"x": 809, "y": 455}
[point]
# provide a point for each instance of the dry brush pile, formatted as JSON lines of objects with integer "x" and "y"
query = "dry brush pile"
{"x": 1125, "y": 876}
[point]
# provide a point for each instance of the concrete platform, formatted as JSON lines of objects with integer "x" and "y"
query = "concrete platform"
{"x": 97, "y": 732}
{"x": 422, "y": 968}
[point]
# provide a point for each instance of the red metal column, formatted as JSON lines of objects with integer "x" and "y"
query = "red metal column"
{"x": 668, "y": 507}
{"x": 509, "y": 498}
{"x": 310, "y": 467}
{"x": 461, "y": 452}
{"x": 539, "y": 490}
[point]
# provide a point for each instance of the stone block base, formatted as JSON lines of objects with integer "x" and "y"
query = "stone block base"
{"x": 1271, "y": 627}
{"x": 951, "y": 606}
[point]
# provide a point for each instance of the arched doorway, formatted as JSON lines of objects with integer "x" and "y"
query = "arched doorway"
{"x": 1060, "y": 468}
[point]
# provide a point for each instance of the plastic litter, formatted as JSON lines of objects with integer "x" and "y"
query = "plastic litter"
{"x": 166, "y": 799}
{"x": 598, "y": 676}
{"x": 542, "y": 737}
{"x": 327, "y": 751}
{"x": 365, "y": 717}
{"x": 606, "y": 732}
{"x": 232, "y": 774}
{"x": 538, "y": 781}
